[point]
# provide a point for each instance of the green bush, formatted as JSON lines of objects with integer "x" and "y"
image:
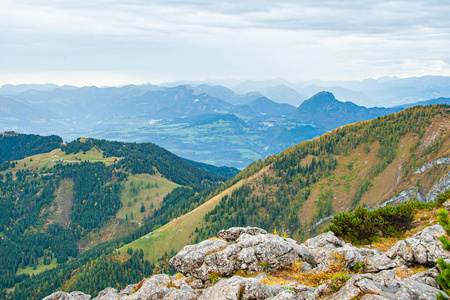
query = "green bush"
{"x": 362, "y": 226}
{"x": 443, "y": 197}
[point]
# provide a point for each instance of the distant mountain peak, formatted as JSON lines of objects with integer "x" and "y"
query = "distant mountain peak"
{"x": 323, "y": 96}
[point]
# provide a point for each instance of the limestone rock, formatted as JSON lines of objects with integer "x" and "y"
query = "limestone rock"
{"x": 107, "y": 294}
{"x": 156, "y": 287}
{"x": 66, "y": 296}
{"x": 237, "y": 287}
{"x": 193, "y": 256}
{"x": 326, "y": 240}
{"x": 254, "y": 253}
{"x": 423, "y": 248}
{"x": 410, "y": 288}
{"x": 376, "y": 263}
{"x": 233, "y": 233}
{"x": 127, "y": 290}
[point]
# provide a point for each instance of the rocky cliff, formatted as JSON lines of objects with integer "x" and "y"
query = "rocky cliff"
{"x": 249, "y": 263}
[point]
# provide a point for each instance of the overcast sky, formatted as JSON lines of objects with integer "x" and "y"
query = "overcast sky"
{"x": 111, "y": 42}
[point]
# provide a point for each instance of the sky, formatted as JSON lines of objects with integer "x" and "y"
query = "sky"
{"x": 114, "y": 42}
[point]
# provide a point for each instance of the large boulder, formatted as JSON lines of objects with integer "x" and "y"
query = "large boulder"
{"x": 66, "y": 296}
{"x": 253, "y": 252}
{"x": 160, "y": 287}
{"x": 422, "y": 248}
{"x": 236, "y": 288}
{"x": 107, "y": 294}
{"x": 369, "y": 286}
{"x": 327, "y": 248}
{"x": 233, "y": 233}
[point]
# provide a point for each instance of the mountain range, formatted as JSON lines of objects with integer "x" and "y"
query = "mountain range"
{"x": 208, "y": 123}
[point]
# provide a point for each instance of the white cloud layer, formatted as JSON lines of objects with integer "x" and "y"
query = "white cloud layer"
{"x": 115, "y": 41}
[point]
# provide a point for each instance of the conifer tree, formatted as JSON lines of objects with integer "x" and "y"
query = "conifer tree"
{"x": 444, "y": 276}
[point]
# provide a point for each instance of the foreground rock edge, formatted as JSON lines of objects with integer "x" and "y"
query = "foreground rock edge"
{"x": 209, "y": 269}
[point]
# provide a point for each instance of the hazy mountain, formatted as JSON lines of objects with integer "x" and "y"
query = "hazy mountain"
{"x": 265, "y": 107}
{"x": 324, "y": 111}
{"x": 14, "y": 90}
{"x": 358, "y": 98}
{"x": 283, "y": 94}
{"x": 441, "y": 100}
{"x": 228, "y": 95}
{"x": 253, "y": 86}
{"x": 385, "y": 91}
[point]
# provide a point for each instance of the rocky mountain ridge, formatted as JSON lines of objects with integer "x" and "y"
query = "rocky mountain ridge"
{"x": 235, "y": 266}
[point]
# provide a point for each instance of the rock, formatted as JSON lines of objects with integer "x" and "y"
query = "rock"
{"x": 197, "y": 284}
{"x": 409, "y": 288}
{"x": 66, "y": 296}
{"x": 107, "y": 294}
{"x": 156, "y": 287}
{"x": 325, "y": 240}
{"x": 446, "y": 205}
{"x": 305, "y": 267}
{"x": 286, "y": 295}
{"x": 423, "y": 248}
{"x": 254, "y": 253}
{"x": 351, "y": 255}
{"x": 428, "y": 277}
{"x": 129, "y": 289}
{"x": 193, "y": 256}
{"x": 234, "y": 233}
{"x": 175, "y": 294}
{"x": 261, "y": 276}
{"x": 377, "y": 263}
{"x": 237, "y": 287}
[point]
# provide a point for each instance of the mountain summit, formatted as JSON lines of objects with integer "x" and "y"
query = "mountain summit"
{"x": 334, "y": 113}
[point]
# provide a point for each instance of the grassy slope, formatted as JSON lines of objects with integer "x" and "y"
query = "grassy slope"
{"x": 143, "y": 189}
{"x": 39, "y": 269}
{"x": 135, "y": 191}
{"x": 179, "y": 232}
{"x": 47, "y": 160}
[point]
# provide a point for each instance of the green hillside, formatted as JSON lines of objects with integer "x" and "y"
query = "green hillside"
{"x": 58, "y": 204}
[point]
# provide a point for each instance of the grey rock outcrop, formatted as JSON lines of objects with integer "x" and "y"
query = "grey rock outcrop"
{"x": 423, "y": 248}
{"x": 66, "y": 296}
{"x": 157, "y": 287}
{"x": 233, "y": 233}
{"x": 209, "y": 269}
{"x": 107, "y": 294}
{"x": 371, "y": 287}
{"x": 254, "y": 252}
{"x": 237, "y": 287}
{"x": 325, "y": 246}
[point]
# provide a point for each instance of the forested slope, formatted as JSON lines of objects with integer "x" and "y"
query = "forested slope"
{"x": 15, "y": 146}
{"x": 57, "y": 204}
{"x": 359, "y": 164}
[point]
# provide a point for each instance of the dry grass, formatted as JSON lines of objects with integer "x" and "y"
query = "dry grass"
{"x": 419, "y": 268}
{"x": 404, "y": 273}
{"x": 384, "y": 244}
{"x": 216, "y": 238}
{"x": 272, "y": 280}
{"x": 139, "y": 285}
{"x": 312, "y": 279}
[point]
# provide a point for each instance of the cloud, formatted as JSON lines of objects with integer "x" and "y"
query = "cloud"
{"x": 198, "y": 38}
